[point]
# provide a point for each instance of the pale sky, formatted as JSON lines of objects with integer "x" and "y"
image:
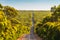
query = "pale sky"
{"x": 31, "y": 4}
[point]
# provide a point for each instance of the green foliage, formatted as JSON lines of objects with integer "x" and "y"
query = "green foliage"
{"x": 10, "y": 12}
{"x": 49, "y": 31}
{"x": 53, "y": 9}
{"x": 1, "y": 6}
{"x": 10, "y": 24}
{"x": 49, "y": 28}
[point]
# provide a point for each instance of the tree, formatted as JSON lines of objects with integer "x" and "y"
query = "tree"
{"x": 53, "y": 9}
{"x": 10, "y": 11}
{"x": 56, "y": 13}
{"x": 1, "y": 6}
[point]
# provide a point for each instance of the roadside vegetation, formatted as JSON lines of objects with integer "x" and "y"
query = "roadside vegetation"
{"x": 11, "y": 25}
{"x": 49, "y": 28}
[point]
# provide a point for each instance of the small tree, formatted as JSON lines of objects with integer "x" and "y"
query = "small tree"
{"x": 53, "y": 9}
{"x": 1, "y": 6}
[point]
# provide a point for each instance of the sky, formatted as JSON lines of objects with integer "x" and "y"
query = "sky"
{"x": 30, "y": 4}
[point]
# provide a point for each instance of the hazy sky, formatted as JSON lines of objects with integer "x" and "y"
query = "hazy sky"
{"x": 31, "y": 4}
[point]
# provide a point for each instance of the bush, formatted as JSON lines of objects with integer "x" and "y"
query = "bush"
{"x": 10, "y": 26}
{"x": 49, "y": 31}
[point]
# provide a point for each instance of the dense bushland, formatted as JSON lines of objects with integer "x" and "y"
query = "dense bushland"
{"x": 11, "y": 26}
{"x": 49, "y": 28}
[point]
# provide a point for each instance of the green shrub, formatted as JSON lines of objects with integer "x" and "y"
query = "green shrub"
{"x": 49, "y": 31}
